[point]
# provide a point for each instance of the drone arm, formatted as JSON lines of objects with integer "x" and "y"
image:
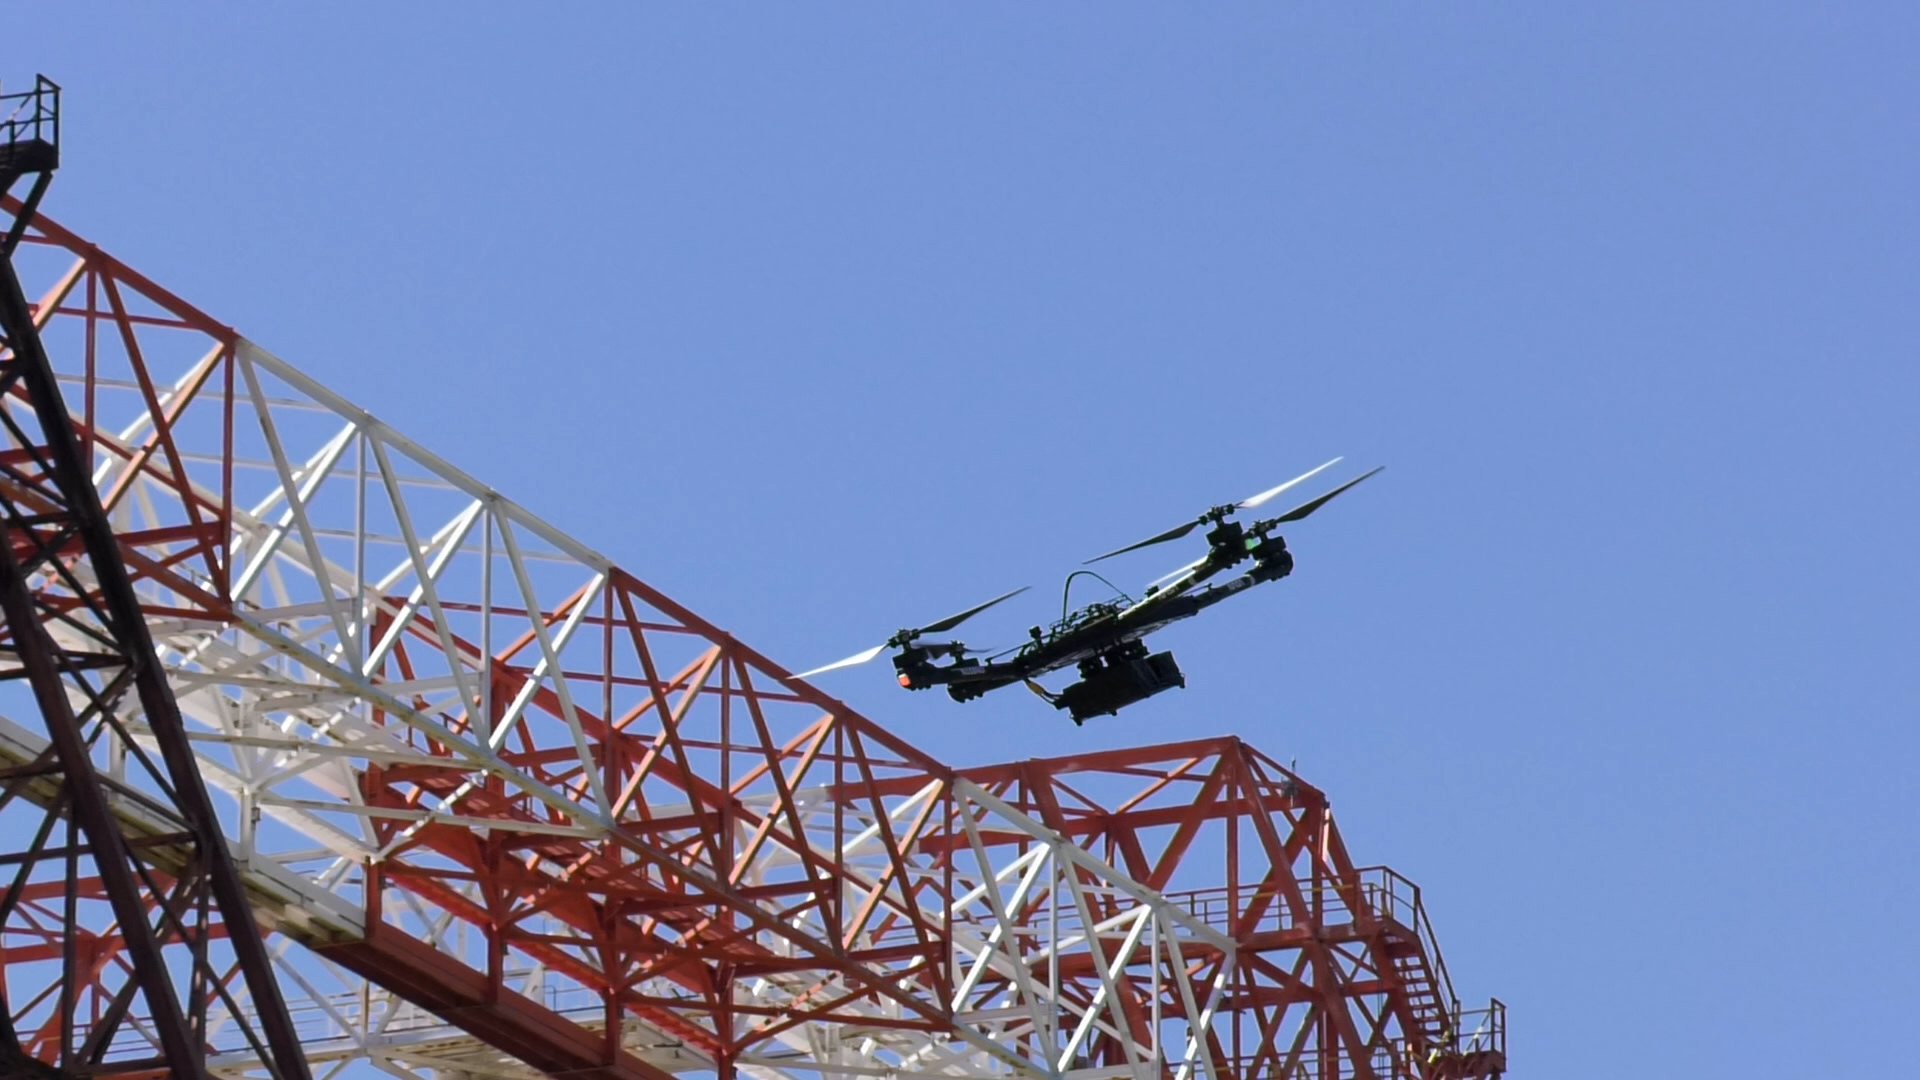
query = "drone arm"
{"x": 1218, "y": 557}
{"x": 1156, "y": 611}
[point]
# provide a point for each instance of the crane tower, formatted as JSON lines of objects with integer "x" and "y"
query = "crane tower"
{"x": 498, "y": 807}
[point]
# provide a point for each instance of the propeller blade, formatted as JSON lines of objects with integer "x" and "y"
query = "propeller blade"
{"x": 952, "y": 621}
{"x": 851, "y": 661}
{"x": 1174, "y": 533}
{"x": 1176, "y": 573}
{"x": 1306, "y": 508}
{"x": 1179, "y": 531}
{"x": 1248, "y": 504}
{"x": 948, "y": 623}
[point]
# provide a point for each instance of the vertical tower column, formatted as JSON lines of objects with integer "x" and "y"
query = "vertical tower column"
{"x": 179, "y": 936}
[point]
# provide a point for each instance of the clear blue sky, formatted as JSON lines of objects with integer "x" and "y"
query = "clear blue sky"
{"x": 831, "y": 319}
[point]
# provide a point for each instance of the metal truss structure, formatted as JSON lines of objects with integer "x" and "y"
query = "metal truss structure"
{"x": 506, "y": 810}
{"x": 76, "y": 638}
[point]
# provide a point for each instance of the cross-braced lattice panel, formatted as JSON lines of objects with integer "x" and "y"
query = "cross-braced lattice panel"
{"x": 428, "y": 681}
{"x": 389, "y": 666}
{"x": 1066, "y": 958}
{"x": 1323, "y": 976}
{"x": 116, "y": 878}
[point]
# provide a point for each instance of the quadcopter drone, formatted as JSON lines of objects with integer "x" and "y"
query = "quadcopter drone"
{"x": 1105, "y": 639}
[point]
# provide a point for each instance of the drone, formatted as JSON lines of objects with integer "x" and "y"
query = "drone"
{"x": 1105, "y": 640}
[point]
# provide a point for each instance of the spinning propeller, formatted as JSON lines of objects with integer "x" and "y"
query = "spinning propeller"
{"x": 1169, "y": 576}
{"x": 1260, "y": 527}
{"x": 1311, "y": 505}
{"x": 907, "y": 637}
{"x": 1221, "y": 513}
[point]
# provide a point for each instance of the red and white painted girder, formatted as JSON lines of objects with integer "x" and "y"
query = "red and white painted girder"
{"x": 473, "y": 762}
{"x": 1333, "y": 960}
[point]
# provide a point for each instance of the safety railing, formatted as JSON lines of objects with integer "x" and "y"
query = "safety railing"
{"x": 1218, "y": 907}
{"x": 1392, "y": 897}
{"x": 1386, "y": 895}
{"x": 1384, "y": 1063}
{"x": 355, "y": 1017}
{"x": 1479, "y": 1049}
{"x": 1267, "y": 908}
{"x": 1481, "y": 1031}
{"x": 32, "y": 115}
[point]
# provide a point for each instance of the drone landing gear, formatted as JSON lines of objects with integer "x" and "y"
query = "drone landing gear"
{"x": 1117, "y": 678}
